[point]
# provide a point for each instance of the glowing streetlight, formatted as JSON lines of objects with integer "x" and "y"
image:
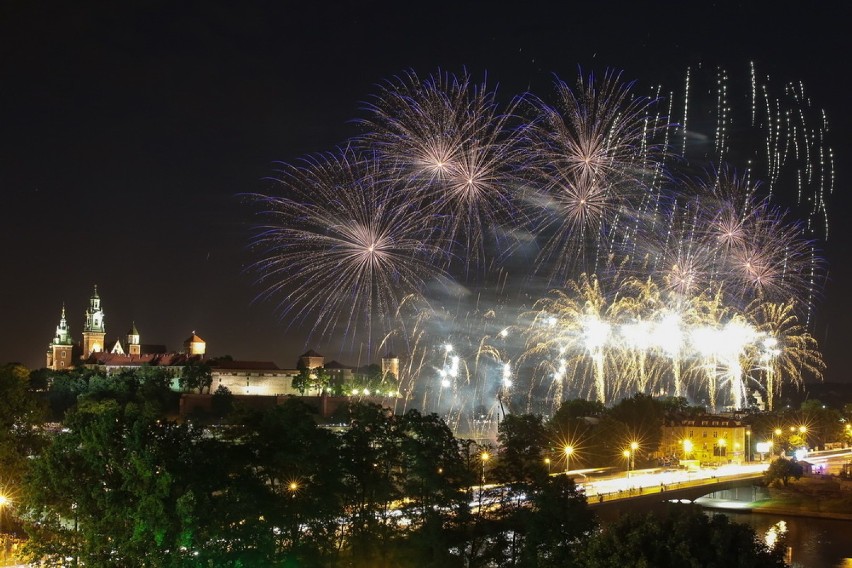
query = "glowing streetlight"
{"x": 547, "y": 462}
{"x": 626, "y": 454}
{"x": 775, "y": 433}
{"x": 721, "y": 443}
{"x": 568, "y": 451}
{"x": 633, "y": 447}
{"x": 483, "y": 457}
{"x": 748, "y": 445}
{"x": 3, "y": 502}
{"x": 803, "y": 432}
{"x": 687, "y": 448}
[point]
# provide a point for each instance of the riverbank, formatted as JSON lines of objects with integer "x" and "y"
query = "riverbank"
{"x": 821, "y": 497}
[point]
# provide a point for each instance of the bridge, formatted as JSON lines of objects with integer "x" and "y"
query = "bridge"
{"x": 653, "y": 490}
{"x": 649, "y": 498}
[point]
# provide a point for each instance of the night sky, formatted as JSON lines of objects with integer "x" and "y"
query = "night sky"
{"x": 128, "y": 130}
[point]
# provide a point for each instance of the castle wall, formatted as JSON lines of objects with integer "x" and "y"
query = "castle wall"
{"x": 266, "y": 383}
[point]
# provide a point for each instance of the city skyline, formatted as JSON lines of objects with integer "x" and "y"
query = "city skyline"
{"x": 130, "y": 146}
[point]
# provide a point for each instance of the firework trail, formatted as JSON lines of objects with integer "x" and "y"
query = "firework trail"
{"x": 342, "y": 243}
{"x": 590, "y": 161}
{"x": 627, "y": 274}
{"x": 450, "y": 141}
{"x": 786, "y": 350}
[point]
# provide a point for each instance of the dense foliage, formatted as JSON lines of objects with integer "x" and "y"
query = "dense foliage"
{"x": 124, "y": 484}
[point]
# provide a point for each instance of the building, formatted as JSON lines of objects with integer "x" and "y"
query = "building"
{"x": 60, "y": 352}
{"x": 390, "y": 366}
{"x": 242, "y": 378}
{"x": 707, "y": 439}
{"x": 94, "y": 331}
{"x": 253, "y": 378}
{"x": 91, "y": 351}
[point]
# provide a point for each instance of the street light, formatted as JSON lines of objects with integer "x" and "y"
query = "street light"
{"x": 483, "y": 457}
{"x": 3, "y": 502}
{"x": 721, "y": 442}
{"x": 626, "y": 455}
{"x": 687, "y": 448}
{"x": 776, "y": 432}
{"x": 748, "y": 446}
{"x": 547, "y": 461}
{"x": 803, "y": 431}
{"x": 633, "y": 447}
{"x": 568, "y": 451}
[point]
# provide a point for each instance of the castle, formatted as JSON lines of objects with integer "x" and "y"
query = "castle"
{"x": 63, "y": 352}
{"x": 262, "y": 378}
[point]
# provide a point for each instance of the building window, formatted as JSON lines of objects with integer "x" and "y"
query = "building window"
{"x": 62, "y": 354}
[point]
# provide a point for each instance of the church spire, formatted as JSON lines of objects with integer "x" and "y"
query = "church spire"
{"x": 94, "y": 331}
{"x": 60, "y": 349}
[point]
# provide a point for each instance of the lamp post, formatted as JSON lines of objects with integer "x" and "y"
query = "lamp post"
{"x": 633, "y": 447}
{"x": 803, "y": 432}
{"x": 776, "y": 432}
{"x": 626, "y": 455}
{"x": 568, "y": 451}
{"x": 687, "y": 448}
{"x": 721, "y": 443}
{"x": 547, "y": 462}
{"x": 483, "y": 457}
{"x": 748, "y": 446}
{"x": 3, "y": 502}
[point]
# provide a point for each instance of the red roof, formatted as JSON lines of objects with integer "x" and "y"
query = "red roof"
{"x": 247, "y": 365}
{"x": 154, "y": 359}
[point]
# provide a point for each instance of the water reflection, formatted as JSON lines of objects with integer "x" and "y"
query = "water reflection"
{"x": 776, "y": 531}
{"x": 811, "y": 543}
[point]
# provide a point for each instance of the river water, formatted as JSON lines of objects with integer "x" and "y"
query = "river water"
{"x": 811, "y": 543}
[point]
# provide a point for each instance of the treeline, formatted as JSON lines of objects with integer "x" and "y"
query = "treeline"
{"x": 122, "y": 485}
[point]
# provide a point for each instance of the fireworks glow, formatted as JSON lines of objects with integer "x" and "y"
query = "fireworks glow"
{"x": 517, "y": 256}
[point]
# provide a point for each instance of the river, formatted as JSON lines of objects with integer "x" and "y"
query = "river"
{"x": 811, "y": 543}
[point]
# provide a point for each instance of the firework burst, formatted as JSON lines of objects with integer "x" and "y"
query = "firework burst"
{"x": 663, "y": 285}
{"x": 591, "y": 161}
{"x": 447, "y": 137}
{"x": 341, "y": 242}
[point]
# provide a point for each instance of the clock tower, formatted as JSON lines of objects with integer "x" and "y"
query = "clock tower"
{"x": 94, "y": 332}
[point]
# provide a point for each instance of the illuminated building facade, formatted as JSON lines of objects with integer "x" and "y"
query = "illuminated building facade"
{"x": 708, "y": 439}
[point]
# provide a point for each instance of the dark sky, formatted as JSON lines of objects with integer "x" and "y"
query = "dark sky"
{"x": 128, "y": 128}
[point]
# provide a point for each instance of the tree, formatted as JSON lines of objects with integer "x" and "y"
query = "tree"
{"x": 523, "y": 440}
{"x": 108, "y": 491}
{"x": 681, "y": 536}
{"x": 782, "y": 470}
{"x": 21, "y": 417}
{"x": 196, "y": 374}
{"x": 222, "y": 402}
{"x": 370, "y": 457}
{"x": 559, "y": 521}
{"x": 300, "y": 464}
{"x": 311, "y": 380}
{"x": 643, "y": 418}
{"x": 434, "y": 481}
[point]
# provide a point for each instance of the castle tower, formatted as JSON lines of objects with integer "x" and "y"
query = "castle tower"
{"x": 311, "y": 360}
{"x": 94, "y": 330}
{"x": 195, "y": 346}
{"x": 59, "y": 351}
{"x": 134, "y": 347}
{"x": 390, "y": 366}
